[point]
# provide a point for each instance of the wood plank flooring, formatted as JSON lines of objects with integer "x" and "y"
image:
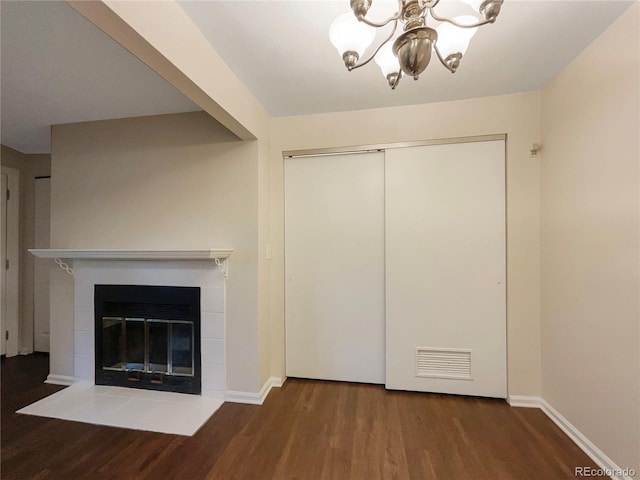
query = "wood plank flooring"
{"x": 305, "y": 430}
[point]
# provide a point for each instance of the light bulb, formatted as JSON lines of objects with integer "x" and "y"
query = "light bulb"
{"x": 347, "y": 34}
{"x": 475, "y": 4}
{"x": 452, "y": 39}
{"x": 387, "y": 61}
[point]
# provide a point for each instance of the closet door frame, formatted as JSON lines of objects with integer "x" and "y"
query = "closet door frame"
{"x": 288, "y": 154}
{"x": 377, "y": 147}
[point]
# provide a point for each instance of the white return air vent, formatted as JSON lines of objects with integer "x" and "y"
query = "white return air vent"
{"x": 450, "y": 363}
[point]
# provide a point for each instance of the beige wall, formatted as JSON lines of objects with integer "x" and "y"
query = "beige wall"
{"x": 30, "y": 167}
{"x": 590, "y": 250}
{"x": 516, "y": 115}
{"x": 264, "y": 265}
{"x": 165, "y": 182}
{"x": 163, "y": 36}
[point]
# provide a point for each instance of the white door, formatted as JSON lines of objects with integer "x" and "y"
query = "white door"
{"x": 3, "y": 234}
{"x": 334, "y": 267}
{"x": 445, "y": 269}
{"x": 41, "y": 266}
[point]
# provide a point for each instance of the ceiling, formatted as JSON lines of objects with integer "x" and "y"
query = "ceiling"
{"x": 281, "y": 51}
{"x": 59, "y": 68}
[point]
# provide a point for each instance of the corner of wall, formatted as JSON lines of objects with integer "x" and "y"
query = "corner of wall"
{"x": 590, "y": 244}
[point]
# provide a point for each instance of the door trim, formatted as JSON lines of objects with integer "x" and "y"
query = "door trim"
{"x": 12, "y": 323}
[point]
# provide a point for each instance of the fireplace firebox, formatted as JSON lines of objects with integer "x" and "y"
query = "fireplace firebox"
{"x": 148, "y": 337}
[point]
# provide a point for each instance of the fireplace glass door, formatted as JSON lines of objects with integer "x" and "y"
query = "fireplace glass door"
{"x": 160, "y": 347}
{"x": 152, "y": 342}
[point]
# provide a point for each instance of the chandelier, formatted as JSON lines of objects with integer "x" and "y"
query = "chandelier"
{"x": 351, "y": 33}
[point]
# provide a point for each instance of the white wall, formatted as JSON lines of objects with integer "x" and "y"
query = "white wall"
{"x": 171, "y": 181}
{"x": 518, "y": 117}
{"x": 590, "y": 242}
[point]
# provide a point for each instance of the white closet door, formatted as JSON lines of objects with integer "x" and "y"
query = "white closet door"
{"x": 334, "y": 267}
{"x": 445, "y": 269}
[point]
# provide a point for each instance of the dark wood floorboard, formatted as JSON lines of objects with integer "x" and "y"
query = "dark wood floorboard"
{"x": 305, "y": 430}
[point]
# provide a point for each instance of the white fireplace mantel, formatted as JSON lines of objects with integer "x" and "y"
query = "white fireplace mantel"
{"x": 94, "y": 254}
{"x": 218, "y": 256}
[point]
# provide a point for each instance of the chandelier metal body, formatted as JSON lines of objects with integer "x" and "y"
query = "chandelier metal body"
{"x": 410, "y": 53}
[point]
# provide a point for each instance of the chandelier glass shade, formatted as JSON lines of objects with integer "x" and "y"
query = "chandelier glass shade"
{"x": 410, "y": 53}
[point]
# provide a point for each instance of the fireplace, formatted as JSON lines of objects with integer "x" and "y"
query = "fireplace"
{"x": 148, "y": 337}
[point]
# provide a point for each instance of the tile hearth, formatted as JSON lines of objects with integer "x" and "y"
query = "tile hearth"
{"x": 163, "y": 412}
{"x": 133, "y": 408}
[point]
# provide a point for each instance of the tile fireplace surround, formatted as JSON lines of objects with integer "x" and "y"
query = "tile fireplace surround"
{"x": 205, "y": 269}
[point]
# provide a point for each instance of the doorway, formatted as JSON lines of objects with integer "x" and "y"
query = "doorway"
{"x": 9, "y": 262}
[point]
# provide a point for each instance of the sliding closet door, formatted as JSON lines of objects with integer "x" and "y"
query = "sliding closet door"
{"x": 445, "y": 269}
{"x": 334, "y": 267}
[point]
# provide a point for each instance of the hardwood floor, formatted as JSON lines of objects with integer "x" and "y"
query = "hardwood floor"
{"x": 305, "y": 430}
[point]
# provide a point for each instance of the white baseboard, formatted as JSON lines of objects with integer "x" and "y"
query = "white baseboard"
{"x": 237, "y": 397}
{"x": 277, "y": 382}
{"x": 524, "y": 401}
{"x": 25, "y": 351}
{"x": 218, "y": 394}
{"x": 59, "y": 380}
{"x": 254, "y": 398}
{"x": 597, "y": 455}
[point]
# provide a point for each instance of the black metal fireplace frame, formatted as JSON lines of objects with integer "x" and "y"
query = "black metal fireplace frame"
{"x": 169, "y": 303}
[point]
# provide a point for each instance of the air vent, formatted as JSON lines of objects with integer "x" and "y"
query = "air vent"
{"x": 451, "y": 363}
